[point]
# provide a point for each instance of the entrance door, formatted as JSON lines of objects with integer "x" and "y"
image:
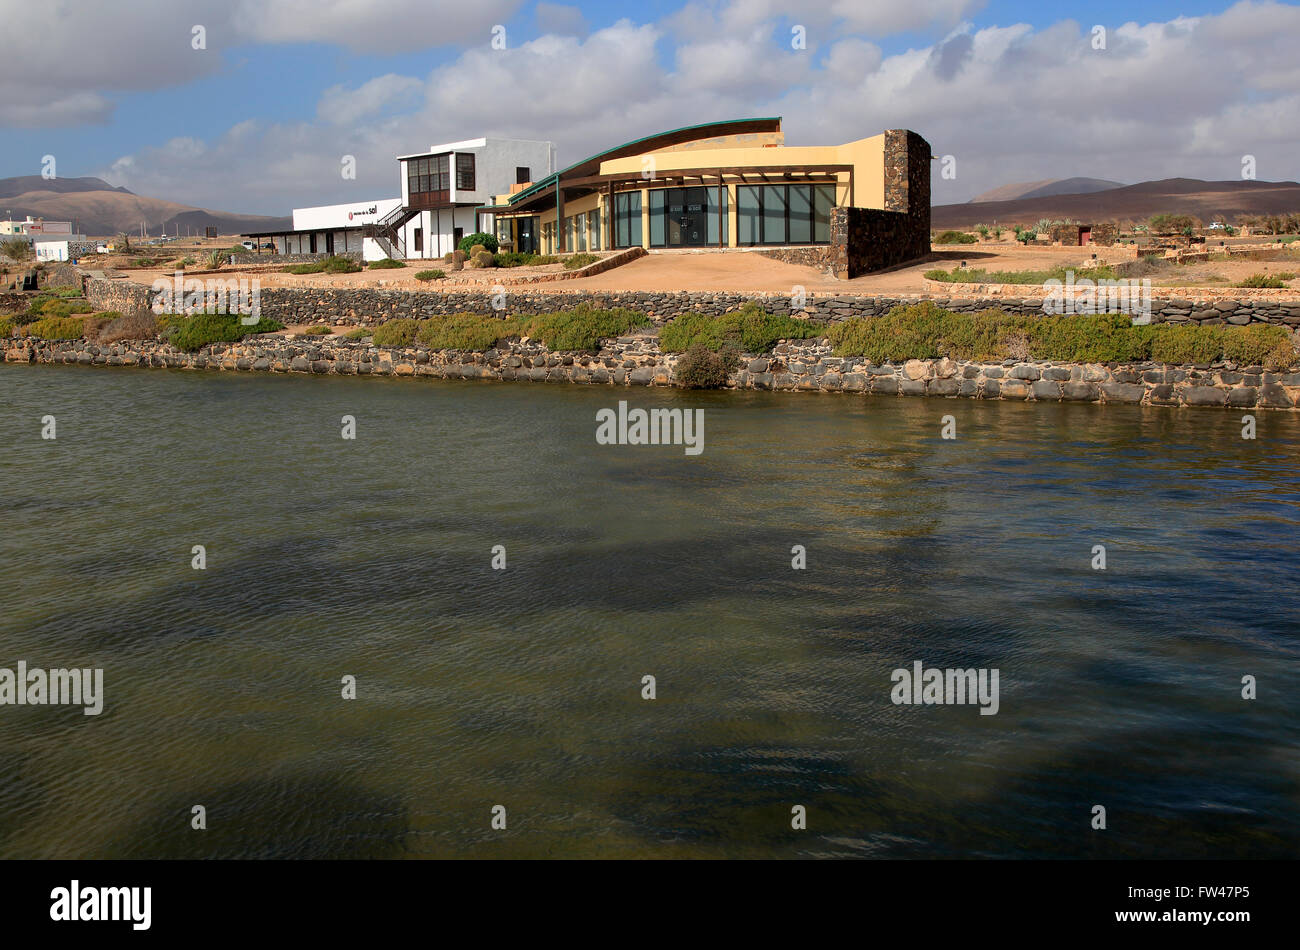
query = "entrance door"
{"x": 688, "y": 217}
{"x": 456, "y": 235}
{"x": 1085, "y": 236}
{"x": 329, "y": 243}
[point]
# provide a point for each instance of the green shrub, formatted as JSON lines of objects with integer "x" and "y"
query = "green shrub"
{"x": 976, "y": 275}
{"x": 465, "y": 331}
{"x": 321, "y": 330}
{"x": 478, "y": 237}
{"x": 386, "y": 263}
{"x": 1259, "y": 345}
{"x": 216, "y": 260}
{"x": 750, "y": 328}
{"x": 522, "y": 259}
{"x": 955, "y": 237}
{"x": 6, "y": 327}
{"x": 574, "y": 261}
{"x": 360, "y": 333}
{"x": 1260, "y": 280}
{"x": 703, "y": 368}
{"x": 430, "y": 275}
{"x": 926, "y": 331}
{"x": 581, "y": 328}
{"x": 56, "y": 328}
{"x": 334, "y": 264}
{"x": 64, "y": 290}
{"x": 396, "y": 332}
{"x": 194, "y": 332}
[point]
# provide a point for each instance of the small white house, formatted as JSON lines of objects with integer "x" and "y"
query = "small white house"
{"x": 51, "y": 250}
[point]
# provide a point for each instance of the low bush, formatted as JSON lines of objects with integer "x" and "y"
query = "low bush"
{"x": 194, "y": 332}
{"x": 975, "y": 275}
{"x": 574, "y": 261}
{"x": 926, "y": 331}
{"x": 360, "y": 333}
{"x": 430, "y": 275}
{"x": 318, "y": 331}
{"x": 954, "y": 237}
{"x": 136, "y": 326}
{"x": 386, "y": 263}
{"x": 64, "y": 290}
{"x": 464, "y": 331}
{"x": 703, "y": 368}
{"x": 522, "y": 259}
{"x": 56, "y": 328}
{"x": 396, "y": 332}
{"x": 478, "y": 237}
{"x": 1261, "y": 280}
{"x": 6, "y": 327}
{"x": 334, "y": 264}
{"x": 750, "y": 328}
{"x": 583, "y": 327}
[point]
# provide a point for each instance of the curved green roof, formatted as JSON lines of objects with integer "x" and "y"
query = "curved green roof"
{"x": 649, "y": 143}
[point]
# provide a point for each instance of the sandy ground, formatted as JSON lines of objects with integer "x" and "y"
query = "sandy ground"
{"x": 750, "y": 272}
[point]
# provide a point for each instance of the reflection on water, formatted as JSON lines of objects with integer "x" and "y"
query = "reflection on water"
{"x": 522, "y": 687}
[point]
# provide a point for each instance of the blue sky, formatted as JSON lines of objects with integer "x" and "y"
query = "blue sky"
{"x": 1011, "y": 89}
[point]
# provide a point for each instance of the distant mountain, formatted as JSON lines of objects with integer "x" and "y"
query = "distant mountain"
{"x": 98, "y": 209}
{"x": 1207, "y": 200}
{"x": 1047, "y": 188}
{"x": 23, "y": 184}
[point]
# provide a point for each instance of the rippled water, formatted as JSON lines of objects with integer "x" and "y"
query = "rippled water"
{"x": 522, "y": 687}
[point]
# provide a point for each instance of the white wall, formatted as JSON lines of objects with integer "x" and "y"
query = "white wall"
{"x": 356, "y": 213}
{"x": 51, "y": 250}
{"x": 494, "y": 167}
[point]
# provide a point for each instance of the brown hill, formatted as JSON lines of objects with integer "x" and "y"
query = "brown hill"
{"x": 108, "y": 211}
{"x": 1207, "y": 200}
{"x": 1046, "y": 188}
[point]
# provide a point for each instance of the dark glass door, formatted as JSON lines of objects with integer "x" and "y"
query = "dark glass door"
{"x": 687, "y": 211}
{"x": 526, "y": 231}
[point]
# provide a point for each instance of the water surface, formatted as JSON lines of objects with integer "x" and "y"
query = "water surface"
{"x": 522, "y": 687}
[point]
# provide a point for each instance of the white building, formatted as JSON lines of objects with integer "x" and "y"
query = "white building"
{"x": 38, "y": 229}
{"x": 442, "y": 190}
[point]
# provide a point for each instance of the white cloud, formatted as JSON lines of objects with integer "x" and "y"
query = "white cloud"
{"x": 560, "y": 19}
{"x": 341, "y": 106}
{"x": 1186, "y": 97}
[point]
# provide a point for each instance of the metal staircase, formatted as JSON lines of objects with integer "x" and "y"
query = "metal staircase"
{"x": 388, "y": 231}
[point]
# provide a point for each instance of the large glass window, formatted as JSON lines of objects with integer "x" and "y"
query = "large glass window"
{"x": 716, "y": 220}
{"x": 784, "y": 214}
{"x": 800, "y": 214}
{"x": 823, "y": 201}
{"x": 593, "y": 226}
{"x": 657, "y": 205}
{"x": 424, "y": 175}
{"x": 775, "y": 208}
{"x": 627, "y": 219}
{"x": 748, "y": 208}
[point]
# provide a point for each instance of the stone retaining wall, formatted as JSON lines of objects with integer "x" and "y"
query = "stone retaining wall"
{"x": 805, "y": 365}
{"x": 368, "y": 306}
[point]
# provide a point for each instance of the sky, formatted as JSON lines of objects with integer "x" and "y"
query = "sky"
{"x": 252, "y": 105}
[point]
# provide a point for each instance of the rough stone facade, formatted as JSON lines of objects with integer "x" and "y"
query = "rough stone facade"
{"x": 805, "y": 365}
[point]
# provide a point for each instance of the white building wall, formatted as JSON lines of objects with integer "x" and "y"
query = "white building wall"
{"x": 354, "y": 214}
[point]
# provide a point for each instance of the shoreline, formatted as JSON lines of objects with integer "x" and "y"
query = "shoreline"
{"x": 795, "y": 366}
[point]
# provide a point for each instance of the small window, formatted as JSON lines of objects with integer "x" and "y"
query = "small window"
{"x": 419, "y": 239}
{"x": 465, "y": 171}
{"x": 523, "y": 174}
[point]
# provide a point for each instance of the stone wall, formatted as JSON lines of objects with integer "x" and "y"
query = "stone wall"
{"x": 368, "y": 306}
{"x": 805, "y": 365}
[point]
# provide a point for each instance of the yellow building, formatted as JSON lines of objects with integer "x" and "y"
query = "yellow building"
{"x": 724, "y": 184}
